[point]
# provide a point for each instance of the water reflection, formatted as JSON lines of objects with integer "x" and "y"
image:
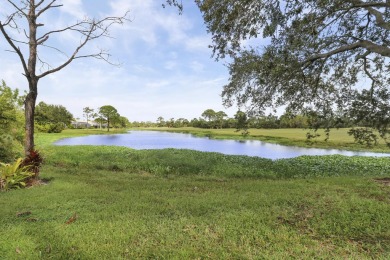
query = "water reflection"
{"x": 160, "y": 140}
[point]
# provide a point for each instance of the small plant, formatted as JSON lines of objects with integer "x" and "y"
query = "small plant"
{"x": 14, "y": 175}
{"x": 33, "y": 162}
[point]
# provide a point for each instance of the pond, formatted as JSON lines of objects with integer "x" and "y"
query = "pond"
{"x": 160, "y": 140}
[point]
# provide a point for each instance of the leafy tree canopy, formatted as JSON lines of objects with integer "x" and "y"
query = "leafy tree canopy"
{"x": 46, "y": 113}
{"x": 52, "y": 114}
{"x": 327, "y": 56}
{"x": 209, "y": 114}
{"x": 109, "y": 113}
{"x": 10, "y": 106}
{"x": 11, "y": 123}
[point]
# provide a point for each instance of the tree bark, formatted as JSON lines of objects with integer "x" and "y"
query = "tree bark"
{"x": 29, "y": 109}
{"x": 89, "y": 29}
{"x": 32, "y": 80}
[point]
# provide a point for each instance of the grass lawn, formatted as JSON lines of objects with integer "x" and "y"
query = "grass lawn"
{"x": 119, "y": 203}
{"x": 339, "y": 138}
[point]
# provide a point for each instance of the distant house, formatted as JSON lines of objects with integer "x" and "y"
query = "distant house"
{"x": 84, "y": 124}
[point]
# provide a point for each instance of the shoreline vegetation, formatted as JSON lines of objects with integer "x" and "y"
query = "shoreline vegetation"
{"x": 106, "y": 202}
{"x": 339, "y": 138}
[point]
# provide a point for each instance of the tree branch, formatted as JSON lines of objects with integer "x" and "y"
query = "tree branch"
{"x": 359, "y": 3}
{"x": 47, "y": 7}
{"x": 90, "y": 34}
{"x": 369, "y": 46}
{"x": 10, "y": 19}
{"x": 66, "y": 63}
{"x": 378, "y": 15}
{"x": 38, "y": 4}
{"x": 17, "y": 50}
{"x": 17, "y": 8}
{"x": 46, "y": 35}
{"x": 373, "y": 47}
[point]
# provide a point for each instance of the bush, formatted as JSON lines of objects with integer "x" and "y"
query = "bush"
{"x": 14, "y": 175}
{"x": 11, "y": 123}
{"x": 50, "y": 128}
{"x": 33, "y": 162}
{"x": 10, "y": 148}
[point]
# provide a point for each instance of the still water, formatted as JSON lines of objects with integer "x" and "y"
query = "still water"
{"x": 160, "y": 140}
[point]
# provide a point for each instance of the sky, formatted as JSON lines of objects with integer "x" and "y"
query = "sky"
{"x": 167, "y": 68}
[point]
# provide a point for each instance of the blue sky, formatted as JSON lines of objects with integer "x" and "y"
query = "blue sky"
{"x": 167, "y": 69}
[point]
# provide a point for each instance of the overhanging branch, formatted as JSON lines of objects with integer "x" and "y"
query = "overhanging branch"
{"x": 378, "y": 15}
{"x": 369, "y": 46}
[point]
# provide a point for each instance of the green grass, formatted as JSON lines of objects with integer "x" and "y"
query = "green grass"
{"x": 43, "y": 140}
{"x": 339, "y": 138}
{"x": 181, "y": 204}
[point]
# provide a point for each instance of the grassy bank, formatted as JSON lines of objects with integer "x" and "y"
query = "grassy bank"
{"x": 119, "y": 203}
{"x": 339, "y": 138}
{"x": 43, "y": 140}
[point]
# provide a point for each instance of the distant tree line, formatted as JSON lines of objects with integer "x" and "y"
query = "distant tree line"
{"x": 218, "y": 119}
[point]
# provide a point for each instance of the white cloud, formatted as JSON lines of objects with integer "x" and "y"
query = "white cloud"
{"x": 166, "y": 69}
{"x": 197, "y": 67}
{"x": 73, "y": 8}
{"x": 200, "y": 43}
{"x": 170, "y": 65}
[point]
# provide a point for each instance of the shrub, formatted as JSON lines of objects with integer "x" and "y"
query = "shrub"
{"x": 50, "y": 128}
{"x": 10, "y": 148}
{"x": 33, "y": 162}
{"x": 14, "y": 175}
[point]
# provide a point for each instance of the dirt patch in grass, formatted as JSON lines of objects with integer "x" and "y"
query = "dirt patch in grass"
{"x": 38, "y": 182}
{"x": 384, "y": 181}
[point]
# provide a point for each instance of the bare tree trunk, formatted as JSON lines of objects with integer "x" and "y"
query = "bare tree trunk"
{"x": 32, "y": 80}
{"x": 29, "y": 106}
{"x": 89, "y": 29}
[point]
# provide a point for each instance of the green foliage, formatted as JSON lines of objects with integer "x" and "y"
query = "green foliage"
{"x": 121, "y": 122}
{"x": 312, "y": 135}
{"x": 181, "y": 204}
{"x": 109, "y": 114}
{"x": 11, "y": 123}
{"x": 51, "y": 118}
{"x": 303, "y": 61}
{"x": 242, "y": 123}
{"x": 14, "y": 175}
{"x": 10, "y": 101}
{"x": 364, "y": 136}
{"x": 334, "y": 165}
{"x": 88, "y": 113}
{"x": 50, "y": 127}
{"x": 289, "y": 120}
{"x": 10, "y": 147}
